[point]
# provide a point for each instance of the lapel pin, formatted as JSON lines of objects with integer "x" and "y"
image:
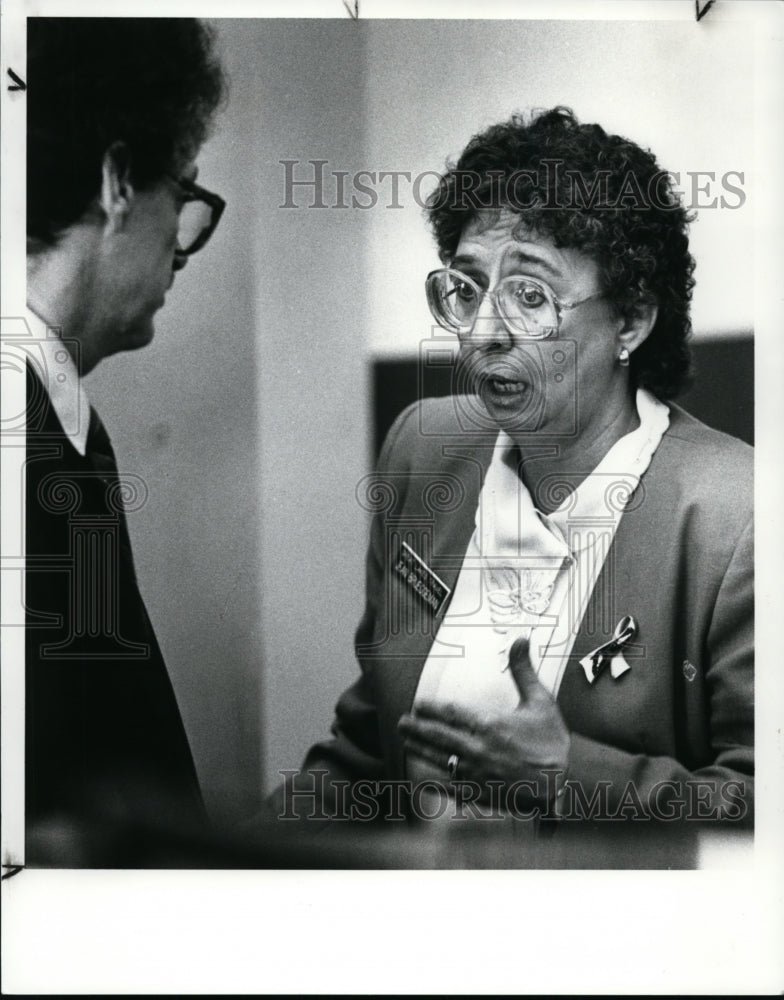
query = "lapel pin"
{"x": 689, "y": 670}
{"x": 610, "y": 652}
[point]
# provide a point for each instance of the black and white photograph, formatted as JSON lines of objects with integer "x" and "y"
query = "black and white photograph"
{"x": 391, "y": 497}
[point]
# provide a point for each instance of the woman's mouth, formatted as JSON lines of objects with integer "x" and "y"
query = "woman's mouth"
{"x": 505, "y": 386}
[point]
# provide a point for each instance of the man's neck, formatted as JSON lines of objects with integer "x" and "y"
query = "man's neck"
{"x": 58, "y": 293}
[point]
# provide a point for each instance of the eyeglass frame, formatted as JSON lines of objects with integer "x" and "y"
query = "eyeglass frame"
{"x": 492, "y": 294}
{"x": 216, "y": 204}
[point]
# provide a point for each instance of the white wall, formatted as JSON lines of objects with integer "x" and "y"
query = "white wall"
{"x": 304, "y": 83}
{"x": 684, "y": 90}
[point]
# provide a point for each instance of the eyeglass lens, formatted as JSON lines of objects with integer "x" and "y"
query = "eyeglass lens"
{"x": 195, "y": 217}
{"x": 526, "y": 305}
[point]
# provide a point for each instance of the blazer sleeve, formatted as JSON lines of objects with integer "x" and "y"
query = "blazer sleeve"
{"x": 355, "y": 751}
{"x": 639, "y": 786}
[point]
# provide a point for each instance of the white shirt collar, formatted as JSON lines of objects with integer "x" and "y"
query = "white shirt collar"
{"x": 60, "y": 378}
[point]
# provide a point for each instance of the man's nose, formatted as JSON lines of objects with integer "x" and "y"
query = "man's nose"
{"x": 179, "y": 262}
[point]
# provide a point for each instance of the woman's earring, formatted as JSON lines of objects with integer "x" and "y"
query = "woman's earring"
{"x": 623, "y": 358}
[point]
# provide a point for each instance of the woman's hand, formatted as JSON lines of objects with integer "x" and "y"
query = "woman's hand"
{"x": 514, "y": 746}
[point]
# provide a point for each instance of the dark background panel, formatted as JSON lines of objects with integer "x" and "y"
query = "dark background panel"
{"x": 722, "y": 393}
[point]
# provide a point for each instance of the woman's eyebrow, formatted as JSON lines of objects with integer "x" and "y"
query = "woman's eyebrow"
{"x": 526, "y": 257}
{"x": 465, "y": 261}
{"x": 519, "y": 256}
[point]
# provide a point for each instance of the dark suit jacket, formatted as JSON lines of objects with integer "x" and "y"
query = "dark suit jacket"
{"x": 106, "y": 751}
{"x": 681, "y": 563}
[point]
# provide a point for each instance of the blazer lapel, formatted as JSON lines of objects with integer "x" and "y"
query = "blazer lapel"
{"x": 621, "y": 588}
{"x": 445, "y": 523}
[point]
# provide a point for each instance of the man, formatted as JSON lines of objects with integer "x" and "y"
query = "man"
{"x": 117, "y": 112}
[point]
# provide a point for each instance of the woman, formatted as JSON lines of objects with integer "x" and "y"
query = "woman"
{"x": 559, "y": 581}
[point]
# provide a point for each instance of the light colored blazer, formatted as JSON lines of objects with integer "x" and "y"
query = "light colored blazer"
{"x": 681, "y": 563}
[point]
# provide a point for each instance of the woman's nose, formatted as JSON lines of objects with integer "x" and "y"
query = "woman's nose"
{"x": 489, "y": 330}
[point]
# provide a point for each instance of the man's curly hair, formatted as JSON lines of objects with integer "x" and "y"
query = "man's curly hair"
{"x": 151, "y": 83}
{"x": 598, "y": 193}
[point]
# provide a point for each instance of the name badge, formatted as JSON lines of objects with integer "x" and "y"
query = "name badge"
{"x": 421, "y": 579}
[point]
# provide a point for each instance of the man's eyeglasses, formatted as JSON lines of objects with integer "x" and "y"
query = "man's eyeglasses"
{"x": 199, "y": 215}
{"x": 527, "y": 306}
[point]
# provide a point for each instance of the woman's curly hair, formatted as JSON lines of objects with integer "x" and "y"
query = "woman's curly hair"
{"x": 150, "y": 83}
{"x": 598, "y": 193}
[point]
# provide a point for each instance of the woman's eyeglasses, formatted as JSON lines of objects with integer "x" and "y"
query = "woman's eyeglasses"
{"x": 527, "y": 306}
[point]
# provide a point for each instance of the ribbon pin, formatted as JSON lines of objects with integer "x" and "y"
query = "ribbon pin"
{"x": 611, "y": 652}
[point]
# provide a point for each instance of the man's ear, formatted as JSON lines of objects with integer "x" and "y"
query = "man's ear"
{"x": 638, "y": 326}
{"x": 117, "y": 191}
